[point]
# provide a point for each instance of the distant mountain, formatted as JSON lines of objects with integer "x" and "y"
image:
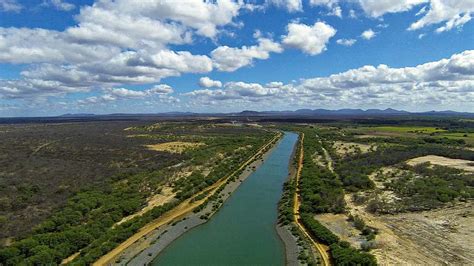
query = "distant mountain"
{"x": 77, "y": 115}
{"x": 352, "y": 113}
{"x": 389, "y": 112}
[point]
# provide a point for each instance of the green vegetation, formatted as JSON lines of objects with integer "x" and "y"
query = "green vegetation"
{"x": 421, "y": 187}
{"x": 88, "y": 220}
{"x": 341, "y": 252}
{"x": 408, "y": 129}
{"x": 321, "y": 190}
{"x": 425, "y": 187}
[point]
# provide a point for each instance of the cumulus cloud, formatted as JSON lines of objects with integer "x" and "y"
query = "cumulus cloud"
{"x": 114, "y": 43}
{"x": 203, "y": 16}
{"x": 227, "y": 58}
{"x": 10, "y": 6}
{"x": 368, "y": 34}
{"x": 310, "y": 39}
{"x": 290, "y": 5}
{"x": 160, "y": 92}
{"x": 447, "y": 82}
{"x": 346, "y": 42}
{"x": 206, "y": 82}
{"x": 161, "y": 89}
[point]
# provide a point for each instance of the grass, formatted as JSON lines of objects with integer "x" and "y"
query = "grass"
{"x": 467, "y": 137}
{"x": 408, "y": 129}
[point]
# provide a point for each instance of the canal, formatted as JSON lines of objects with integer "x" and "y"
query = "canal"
{"x": 243, "y": 231}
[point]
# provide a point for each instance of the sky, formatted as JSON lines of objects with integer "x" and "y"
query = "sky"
{"x": 151, "y": 56}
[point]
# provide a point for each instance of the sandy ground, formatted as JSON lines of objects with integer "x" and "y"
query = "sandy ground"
{"x": 348, "y": 148}
{"x": 344, "y": 229}
{"x": 174, "y": 146}
{"x": 165, "y": 196}
{"x": 436, "y": 237}
{"x": 144, "y": 249}
{"x": 465, "y": 165}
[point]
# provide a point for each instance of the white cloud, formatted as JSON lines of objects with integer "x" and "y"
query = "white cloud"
{"x": 310, "y": 39}
{"x": 377, "y": 8}
{"x": 60, "y": 5}
{"x": 203, "y": 16}
{"x": 346, "y": 42}
{"x": 23, "y": 45}
{"x": 335, "y": 9}
{"x": 454, "y": 12}
{"x": 290, "y": 5}
{"x": 447, "y": 82}
{"x": 116, "y": 42}
{"x": 10, "y": 6}
{"x": 116, "y": 93}
{"x": 368, "y": 34}
{"x": 206, "y": 82}
{"x": 352, "y": 14}
{"x": 230, "y": 59}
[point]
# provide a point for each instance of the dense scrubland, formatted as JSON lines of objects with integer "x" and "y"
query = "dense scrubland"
{"x": 116, "y": 176}
{"x": 358, "y": 168}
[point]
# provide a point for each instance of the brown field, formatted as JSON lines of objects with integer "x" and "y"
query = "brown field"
{"x": 174, "y": 146}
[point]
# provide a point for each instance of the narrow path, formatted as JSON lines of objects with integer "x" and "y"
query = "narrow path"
{"x": 328, "y": 159}
{"x": 177, "y": 212}
{"x": 322, "y": 249}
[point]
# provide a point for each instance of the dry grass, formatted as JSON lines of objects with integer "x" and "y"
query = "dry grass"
{"x": 465, "y": 165}
{"x": 174, "y": 146}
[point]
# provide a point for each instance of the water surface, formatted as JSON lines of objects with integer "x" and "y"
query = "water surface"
{"x": 243, "y": 231}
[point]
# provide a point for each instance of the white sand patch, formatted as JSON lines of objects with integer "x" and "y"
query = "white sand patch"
{"x": 465, "y": 165}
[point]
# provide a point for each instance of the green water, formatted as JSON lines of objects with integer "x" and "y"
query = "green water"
{"x": 243, "y": 231}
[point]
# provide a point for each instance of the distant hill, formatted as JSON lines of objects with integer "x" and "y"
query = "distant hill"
{"x": 352, "y": 113}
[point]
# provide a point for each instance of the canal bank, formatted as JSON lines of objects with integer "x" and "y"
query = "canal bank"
{"x": 144, "y": 249}
{"x": 243, "y": 231}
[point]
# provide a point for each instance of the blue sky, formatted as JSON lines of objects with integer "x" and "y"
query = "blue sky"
{"x": 65, "y": 56}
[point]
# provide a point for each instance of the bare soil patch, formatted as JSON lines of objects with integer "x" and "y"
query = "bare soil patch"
{"x": 435, "y": 237}
{"x": 348, "y": 148}
{"x": 339, "y": 225}
{"x": 174, "y": 146}
{"x": 465, "y": 165}
{"x": 166, "y": 195}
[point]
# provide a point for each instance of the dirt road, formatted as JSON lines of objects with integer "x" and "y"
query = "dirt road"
{"x": 322, "y": 249}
